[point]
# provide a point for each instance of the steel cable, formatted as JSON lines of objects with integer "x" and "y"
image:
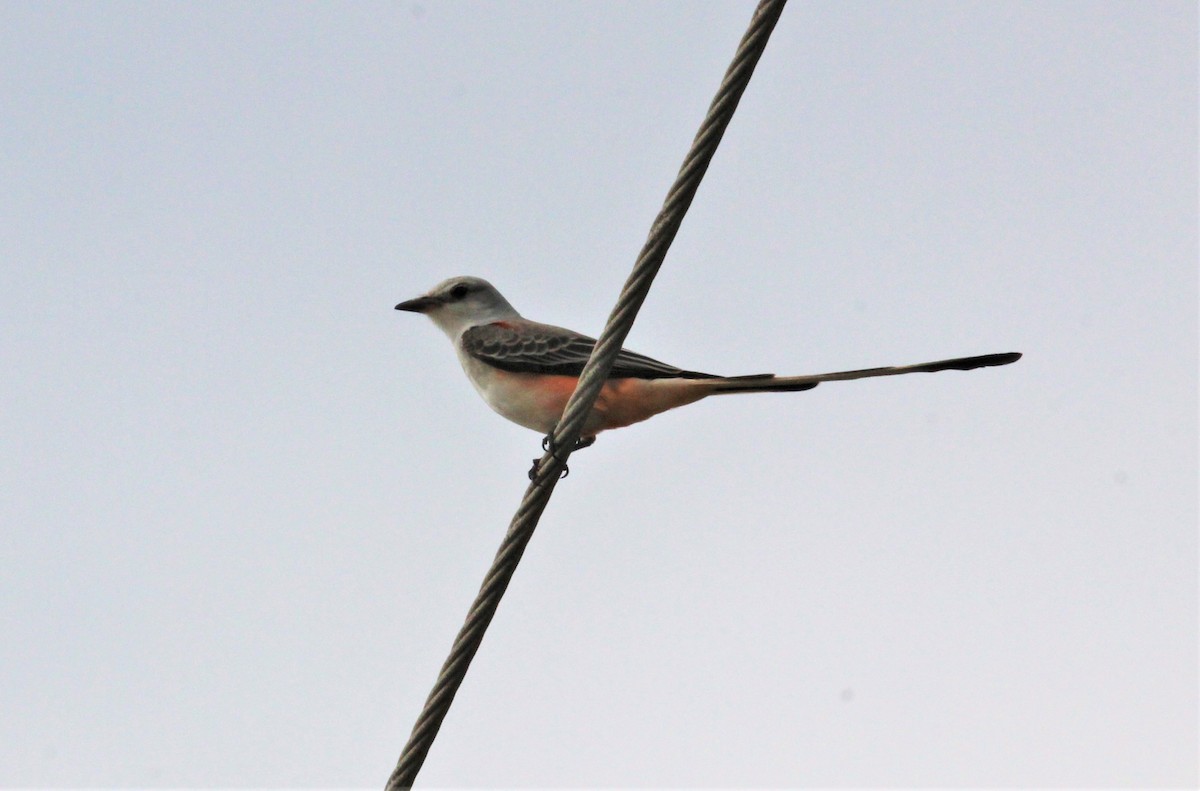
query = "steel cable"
{"x": 567, "y": 433}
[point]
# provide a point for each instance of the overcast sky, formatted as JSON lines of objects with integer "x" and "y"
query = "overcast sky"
{"x": 245, "y": 504}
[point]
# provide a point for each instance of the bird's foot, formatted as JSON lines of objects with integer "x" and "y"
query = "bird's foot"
{"x": 549, "y": 447}
{"x": 580, "y": 444}
{"x": 537, "y": 464}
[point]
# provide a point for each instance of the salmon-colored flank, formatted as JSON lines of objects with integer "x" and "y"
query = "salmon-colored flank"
{"x": 552, "y": 391}
{"x": 621, "y": 401}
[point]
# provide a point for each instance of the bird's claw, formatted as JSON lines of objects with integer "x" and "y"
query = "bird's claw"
{"x": 537, "y": 463}
{"x": 549, "y": 446}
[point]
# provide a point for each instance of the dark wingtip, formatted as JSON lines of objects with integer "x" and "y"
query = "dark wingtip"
{"x": 762, "y": 383}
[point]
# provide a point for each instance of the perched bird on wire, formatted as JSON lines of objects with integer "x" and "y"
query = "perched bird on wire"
{"x": 526, "y": 371}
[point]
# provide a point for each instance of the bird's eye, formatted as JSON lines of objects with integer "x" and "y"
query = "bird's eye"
{"x": 459, "y": 291}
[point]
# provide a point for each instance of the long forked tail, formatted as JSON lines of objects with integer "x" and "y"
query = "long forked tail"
{"x": 768, "y": 383}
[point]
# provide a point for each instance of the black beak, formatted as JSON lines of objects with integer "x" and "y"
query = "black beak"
{"x": 419, "y": 305}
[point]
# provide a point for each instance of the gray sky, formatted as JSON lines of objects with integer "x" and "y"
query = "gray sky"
{"x": 246, "y": 504}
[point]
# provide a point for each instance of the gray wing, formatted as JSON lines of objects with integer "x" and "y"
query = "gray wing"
{"x": 529, "y": 347}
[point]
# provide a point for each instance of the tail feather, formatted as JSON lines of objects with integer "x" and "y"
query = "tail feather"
{"x": 769, "y": 383}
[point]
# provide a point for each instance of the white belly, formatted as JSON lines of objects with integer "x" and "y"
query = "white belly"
{"x": 537, "y": 401}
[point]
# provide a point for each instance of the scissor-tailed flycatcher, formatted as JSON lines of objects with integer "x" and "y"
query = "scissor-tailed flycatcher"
{"x": 526, "y": 371}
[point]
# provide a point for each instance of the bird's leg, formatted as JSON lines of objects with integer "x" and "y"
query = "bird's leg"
{"x": 548, "y": 446}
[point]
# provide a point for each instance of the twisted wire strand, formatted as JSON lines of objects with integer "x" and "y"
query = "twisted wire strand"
{"x": 570, "y": 426}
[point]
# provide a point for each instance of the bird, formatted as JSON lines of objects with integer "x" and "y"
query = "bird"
{"x": 526, "y": 371}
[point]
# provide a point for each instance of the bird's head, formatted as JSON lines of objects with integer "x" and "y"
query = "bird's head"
{"x": 460, "y": 303}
